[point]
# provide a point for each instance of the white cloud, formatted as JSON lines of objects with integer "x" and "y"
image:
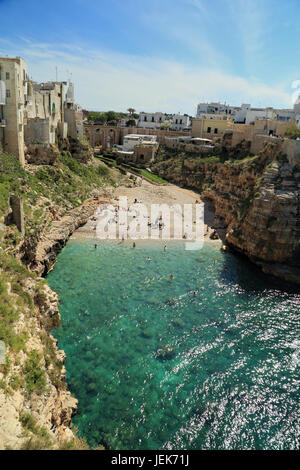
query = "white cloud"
{"x": 107, "y": 80}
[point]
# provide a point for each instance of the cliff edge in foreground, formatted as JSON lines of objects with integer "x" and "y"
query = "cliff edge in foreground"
{"x": 35, "y": 406}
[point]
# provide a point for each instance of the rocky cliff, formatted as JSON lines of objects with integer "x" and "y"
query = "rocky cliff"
{"x": 39, "y": 252}
{"x": 35, "y": 407}
{"x": 258, "y": 198}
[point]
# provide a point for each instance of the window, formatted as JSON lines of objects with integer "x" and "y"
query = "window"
{"x": 145, "y": 118}
{"x": 209, "y": 130}
{"x": 152, "y": 119}
{"x": 180, "y": 121}
{"x": 7, "y": 75}
{"x": 216, "y": 131}
{"x": 7, "y": 93}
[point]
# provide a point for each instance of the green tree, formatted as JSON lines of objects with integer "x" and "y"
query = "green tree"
{"x": 130, "y": 123}
{"x": 112, "y": 116}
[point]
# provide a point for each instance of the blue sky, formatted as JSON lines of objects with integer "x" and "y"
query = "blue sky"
{"x": 159, "y": 55}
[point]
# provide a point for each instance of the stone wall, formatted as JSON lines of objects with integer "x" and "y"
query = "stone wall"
{"x": 42, "y": 154}
{"x": 17, "y": 214}
{"x": 187, "y": 147}
{"x": 107, "y": 136}
{"x": 39, "y": 131}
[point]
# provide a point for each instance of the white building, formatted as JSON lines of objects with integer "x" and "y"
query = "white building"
{"x": 14, "y": 98}
{"x": 152, "y": 120}
{"x": 216, "y": 111}
{"x": 180, "y": 122}
{"x": 248, "y": 115}
{"x": 132, "y": 140}
{"x": 242, "y": 114}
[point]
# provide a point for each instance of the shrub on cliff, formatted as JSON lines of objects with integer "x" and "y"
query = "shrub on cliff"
{"x": 34, "y": 374}
{"x": 292, "y": 132}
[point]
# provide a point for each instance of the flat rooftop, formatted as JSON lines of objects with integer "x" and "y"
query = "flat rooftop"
{"x": 139, "y": 136}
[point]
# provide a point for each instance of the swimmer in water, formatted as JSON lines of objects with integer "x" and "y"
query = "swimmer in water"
{"x": 96, "y": 246}
{"x": 194, "y": 293}
{"x": 133, "y": 245}
{"x": 165, "y": 248}
{"x": 148, "y": 259}
{"x": 171, "y": 276}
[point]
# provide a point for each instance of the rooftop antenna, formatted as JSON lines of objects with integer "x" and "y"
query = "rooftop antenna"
{"x": 56, "y": 73}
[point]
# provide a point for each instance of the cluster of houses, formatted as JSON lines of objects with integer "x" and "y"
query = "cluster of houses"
{"x": 44, "y": 114}
{"x": 34, "y": 113}
{"x": 212, "y": 122}
{"x": 200, "y": 133}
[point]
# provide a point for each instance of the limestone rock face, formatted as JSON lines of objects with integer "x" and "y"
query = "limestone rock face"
{"x": 80, "y": 150}
{"x": 270, "y": 233}
{"x": 41, "y": 154}
{"x": 259, "y": 201}
{"x": 51, "y": 409}
{"x": 40, "y": 253}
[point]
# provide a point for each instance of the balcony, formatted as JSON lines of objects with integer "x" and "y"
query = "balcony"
{"x": 2, "y": 122}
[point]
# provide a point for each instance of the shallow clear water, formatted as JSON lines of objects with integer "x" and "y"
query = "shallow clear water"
{"x": 230, "y": 375}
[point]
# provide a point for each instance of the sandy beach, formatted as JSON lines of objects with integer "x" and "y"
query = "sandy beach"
{"x": 148, "y": 194}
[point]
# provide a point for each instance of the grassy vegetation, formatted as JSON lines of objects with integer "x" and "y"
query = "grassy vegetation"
{"x": 35, "y": 378}
{"x": 121, "y": 165}
{"x": 66, "y": 184}
{"x": 248, "y": 159}
{"x": 292, "y": 132}
{"x": 40, "y": 439}
{"x": 13, "y": 300}
{"x": 147, "y": 174}
{"x": 152, "y": 176}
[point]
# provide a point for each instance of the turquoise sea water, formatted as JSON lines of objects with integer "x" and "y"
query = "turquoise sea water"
{"x": 155, "y": 367}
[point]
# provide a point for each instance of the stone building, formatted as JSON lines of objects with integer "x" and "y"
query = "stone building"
{"x": 209, "y": 128}
{"x": 106, "y": 136}
{"x": 181, "y": 121}
{"x": 138, "y": 148}
{"x": 13, "y": 102}
{"x": 45, "y": 112}
{"x": 153, "y": 120}
{"x": 34, "y": 113}
{"x": 216, "y": 111}
{"x": 74, "y": 120}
